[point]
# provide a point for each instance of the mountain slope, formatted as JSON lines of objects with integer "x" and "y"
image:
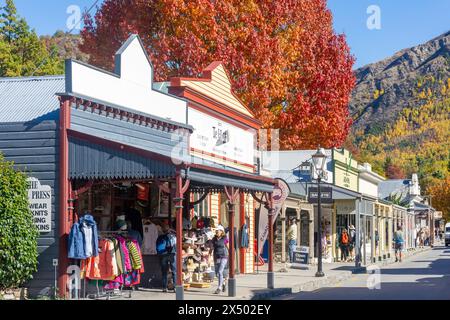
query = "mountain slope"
{"x": 384, "y": 88}
{"x": 401, "y": 111}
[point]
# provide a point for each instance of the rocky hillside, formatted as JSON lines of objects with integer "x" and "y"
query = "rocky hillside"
{"x": 401, "y": 111}
{"x": 65, "y": 46}
{"x": 385, "y": 88}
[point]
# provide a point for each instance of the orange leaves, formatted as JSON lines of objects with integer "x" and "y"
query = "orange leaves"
{"x": 278, "y": 53}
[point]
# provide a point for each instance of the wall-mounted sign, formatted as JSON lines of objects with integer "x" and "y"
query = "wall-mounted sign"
{"x": 221, "y": 141}
{"x": 326, "y": 195}
{"x": 437, "y": 215}
{"x": 345, "y": 207}
{"x": 40, "y": 201}
{"x": 345, "y": 170}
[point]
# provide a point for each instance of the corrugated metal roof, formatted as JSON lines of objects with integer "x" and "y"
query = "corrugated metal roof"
{"x": 28, "y": 98}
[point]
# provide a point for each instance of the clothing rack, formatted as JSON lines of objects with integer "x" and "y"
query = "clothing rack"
{"x": 108, "y": 293}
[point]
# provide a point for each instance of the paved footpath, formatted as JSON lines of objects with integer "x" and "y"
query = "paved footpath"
{"x": 254, "y": 286}
{"x": 424, "y": 276}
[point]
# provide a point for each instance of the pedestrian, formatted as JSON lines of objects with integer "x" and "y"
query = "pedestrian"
{"x": 166, "y": 249}
{"x": 415, "y": 237}
{"x": 377, "y": 240}
{"x": 343, "y": 244}
{"x": 352, "y": 240}
{"x": 220, "y": 243}
{"x": 292, "y": 238}
{"x": 398, "y": 242}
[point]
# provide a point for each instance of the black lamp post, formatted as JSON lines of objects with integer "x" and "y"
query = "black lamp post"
{"x": 319, "y": 159}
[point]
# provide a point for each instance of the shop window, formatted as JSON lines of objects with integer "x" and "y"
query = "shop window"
{"x": 343, "y": 221}
{"x": 202, "y": 209}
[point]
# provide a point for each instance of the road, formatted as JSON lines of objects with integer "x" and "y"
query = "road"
{"x": 425, "y": 276}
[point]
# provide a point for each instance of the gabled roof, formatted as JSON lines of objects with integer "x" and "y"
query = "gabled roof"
{"x": 215, "y": 83}
{"x": 28, "y": 98}
{"x": 129, "y": 86}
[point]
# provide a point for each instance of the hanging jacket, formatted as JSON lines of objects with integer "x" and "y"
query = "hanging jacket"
{"x": 83, "y": 238}
{"x": 244, "y": 236}
{"x": 104, "y": 265}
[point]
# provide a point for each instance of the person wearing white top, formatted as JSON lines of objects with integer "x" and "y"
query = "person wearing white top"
{"x": 150, "y": 237}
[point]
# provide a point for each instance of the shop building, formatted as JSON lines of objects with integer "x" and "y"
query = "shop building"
{"x": 406, "y": 193}
{"x": 344, "y": 206}
{"x": 368, "y": 187}
{"x": 113, "y": 145}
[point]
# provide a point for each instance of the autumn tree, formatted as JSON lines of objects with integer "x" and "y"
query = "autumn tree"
{"x": 285, "y": 61}
{"x": 392, "y": 170}
{"x": 440, "y": 192}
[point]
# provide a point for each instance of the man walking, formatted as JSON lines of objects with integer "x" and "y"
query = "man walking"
{"x": 292, "y": 238}
{"x": 398, "y": 241}
{"x": 166, "y": 249}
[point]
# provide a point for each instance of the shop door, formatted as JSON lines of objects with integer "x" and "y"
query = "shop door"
{"x": 304, "y": 228}
{"x": 224, "y": 221}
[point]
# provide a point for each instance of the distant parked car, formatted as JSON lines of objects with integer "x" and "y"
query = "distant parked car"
{"x": 447, "y": 234}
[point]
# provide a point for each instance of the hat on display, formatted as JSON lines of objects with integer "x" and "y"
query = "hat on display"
{"x": 121, "y": 225}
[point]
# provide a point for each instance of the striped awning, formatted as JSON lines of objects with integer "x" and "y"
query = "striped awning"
{"x": 88, "y": 160}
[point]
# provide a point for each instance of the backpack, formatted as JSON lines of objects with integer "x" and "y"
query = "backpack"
{"x": 344, "y": 238}
{"x": 161, "y": 244}
{"x": 166, "y": 243}
{"x": 171, "y": 243}
{"x": 398, "y": 238}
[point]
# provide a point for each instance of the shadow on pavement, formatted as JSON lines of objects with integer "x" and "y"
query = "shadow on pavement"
{"x": 428, "y": 283}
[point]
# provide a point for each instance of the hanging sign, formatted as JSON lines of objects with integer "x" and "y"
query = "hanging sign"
{"x": 326, "y": 195}
{"x": 40, "y": 201}
{"x": 280, "y": 194}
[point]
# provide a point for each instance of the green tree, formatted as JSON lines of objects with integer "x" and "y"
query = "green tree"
{"x": 18, "y": 235}
{"x": 22, "y": 53}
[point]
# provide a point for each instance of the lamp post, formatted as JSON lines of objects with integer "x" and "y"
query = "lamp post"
{"x": 319, "y": 159}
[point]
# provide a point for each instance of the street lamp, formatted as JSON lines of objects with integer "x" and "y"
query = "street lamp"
{"x": 319, "y": 159}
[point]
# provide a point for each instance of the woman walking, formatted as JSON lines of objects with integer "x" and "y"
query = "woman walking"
{"x": 220, "y": 243}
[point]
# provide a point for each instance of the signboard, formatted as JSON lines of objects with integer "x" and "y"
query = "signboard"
{"x": 301, "y": 255}
{"x": 345, "y": 170}
{"x": 40, "y": 201}
{"x": 437, "y": 215}
{"x": 280, "y": 194}
{"x": 218, "y": 140}
{"x": 326, "y": 195}
{"x": 345, "y": 207}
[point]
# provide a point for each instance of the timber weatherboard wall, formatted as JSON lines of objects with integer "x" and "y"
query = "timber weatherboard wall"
{"x": 34, "y": 149}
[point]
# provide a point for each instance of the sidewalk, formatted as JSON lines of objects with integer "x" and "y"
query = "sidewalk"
{"x": 254, "y": 286}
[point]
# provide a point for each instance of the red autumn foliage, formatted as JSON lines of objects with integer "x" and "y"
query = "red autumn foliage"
{"x": 394, "y": 172}
{"x": 285, "y": 61}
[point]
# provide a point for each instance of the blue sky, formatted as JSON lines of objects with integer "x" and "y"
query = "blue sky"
{"x": 404, "y": 23}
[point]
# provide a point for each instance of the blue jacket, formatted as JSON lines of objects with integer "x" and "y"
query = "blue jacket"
{"x": 77, "y": 238}
{"x": 244, "y": 236}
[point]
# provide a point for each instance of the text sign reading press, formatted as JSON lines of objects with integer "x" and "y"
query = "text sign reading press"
{"x": 40, "y": 200}
{"x": 326, "y": 195}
